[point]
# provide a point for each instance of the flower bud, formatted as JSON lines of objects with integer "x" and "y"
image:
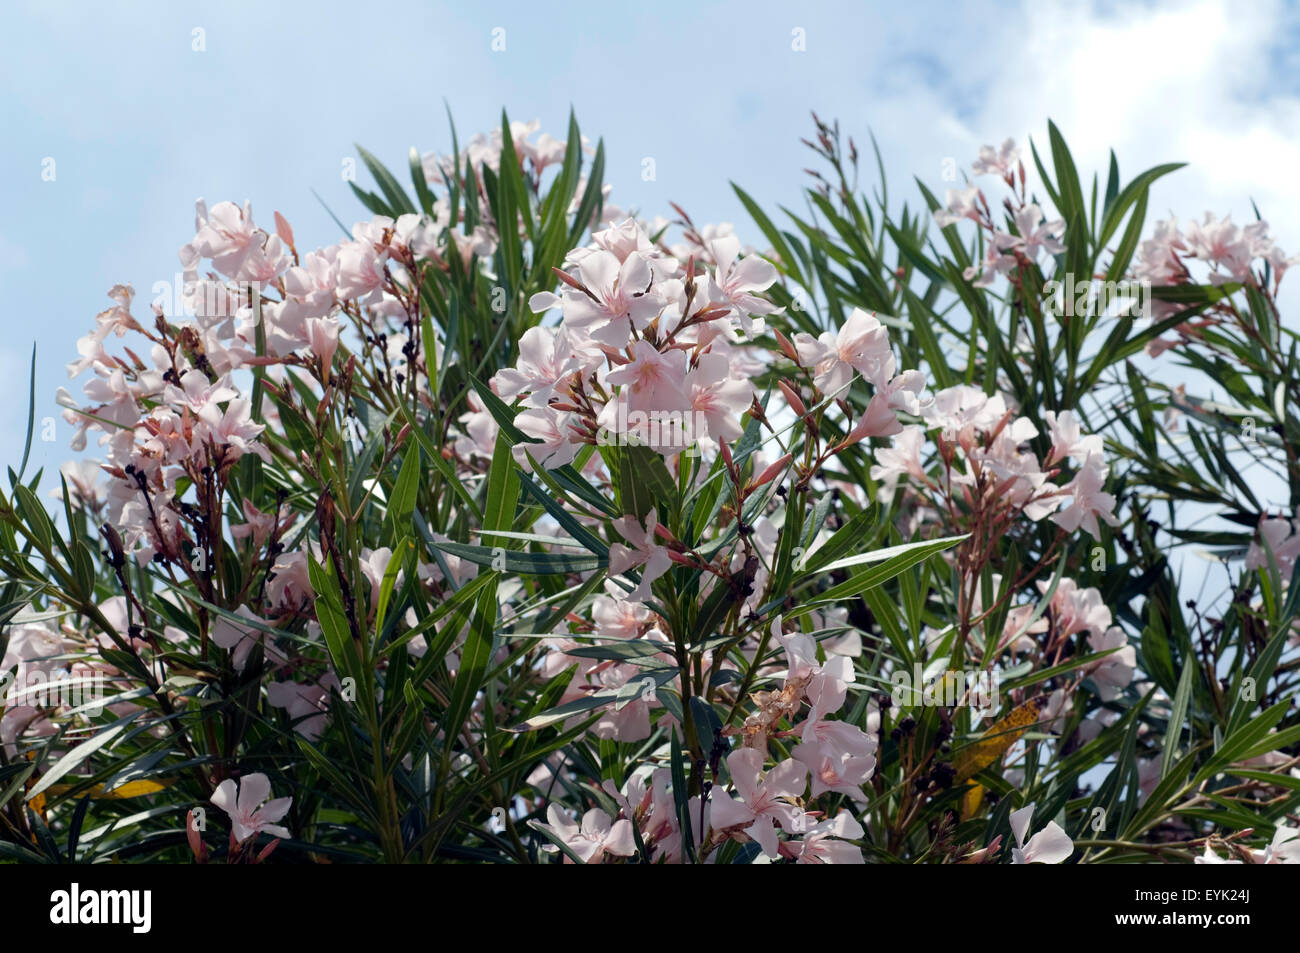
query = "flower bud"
{"x": 786, "y": 347}
{"x": 772, "y": 472}
{"x": 283, "y": 229}
{"x": 197, "y": 847}
{"x": 792, "y": 397}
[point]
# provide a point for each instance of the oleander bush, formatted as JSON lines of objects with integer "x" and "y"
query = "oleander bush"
{"x": 519, "y": 528}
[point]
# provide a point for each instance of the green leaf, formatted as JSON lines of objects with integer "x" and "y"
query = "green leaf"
{"x": 1177, "y": 715}
{"x": 31, "y": 413}
{"x": 681, "y": 799}
{"x": 78, "y": 755}
{"x": 439, "y": 464}
{"x": 1114, "y": 211}
{"x": 334, "y": 624}
{"x": 593, "y": 196}
{"x": 503, "y": 488}
{"x": 847, "y": 537}
{"x": 474, "y": 657}
{"x": 389, "y": 581}
{"x": 536, "y": 564}
{"x": 643, "y": 480}
{"x": 595, "y": 700}
{"x": 788, "y": 263}
{"x": 1250, "y": 736}
{"x": 1070, "y": 205}
{"x": 575, "y": 529}
{"x": 421, "y": 182}
{"x": 401, "y": 502}
{"x": 887, "y": 553}
{"x": 397, "y": 198}
{"x": 896, "y": 559}
{"x": 34, "y": 515}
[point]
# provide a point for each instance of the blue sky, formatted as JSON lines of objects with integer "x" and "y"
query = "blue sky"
{"x": 139, "y": 124}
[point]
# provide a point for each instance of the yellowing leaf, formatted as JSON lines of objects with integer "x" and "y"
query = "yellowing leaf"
{"x": 991, "y": 745}
{"x": 130, "y": 789}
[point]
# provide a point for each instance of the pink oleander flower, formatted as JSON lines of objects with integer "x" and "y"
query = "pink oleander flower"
{"x": 249, "y": 816}
{"x": 232, "y": 429}
{"x": 238, "y": 640}
{"x": 1000, "y": 162}
{"x": 196, "y": 393}
{"x": 828, "y": 842}
{"x": 1210, "y": 857}
{"x": 878, "y": 420}
{"x": 622, "y": 298}
{"x": 558, "y": 444}
{"x": 1087, "y": 499}
{"x": 825, "y": 685}
{"x": 1032, "y": 236}
{"x": 307, "y": 704}
{"x": 360, "y": 273}
{"x": 1113, "y": 673}
{"x": 961, "y": 412}
{"x": 622, "y": 239}
{"x": 861, "y": 345}
{"x": 323, "y": 339}
{"x": 1283, "y": 849}
{"x": 290, "y": 587}
{"x": 478, "y": 434}
{"x": 1225, "y": 246}
{"x": 545, "y": 359}
{"x": 959, "y": 205}
{"x": 994, "y": 263}
{"x": 717, "y": 397}
{"x": 1067, "y": 438}
{"x": 1157, "y": 258}
{"x": 591, "y": 840}
{"x": 1051, "y": 845}
{"x": 762, "y": 804}
{"x": 652, "y": 380}
{"x": 1077, "y": 610}
{"x": 735, "y": 281}
{"x": 840, "y": 757}
{"x": 617, "y": 618}
{"x": 226, "y": 235}
{"x": 642, "y": 550}
{"x": 1283, "y": 539}
{"x": 84, "y": 484}
{"x": 902, "y": 458}
{"x": 258, "y": 525}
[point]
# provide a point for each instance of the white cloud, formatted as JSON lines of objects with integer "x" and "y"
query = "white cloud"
{"x": 1162, "y": 82}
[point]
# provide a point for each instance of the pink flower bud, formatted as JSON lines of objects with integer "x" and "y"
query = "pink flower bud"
{"x": 787, "y": 348}
{"x": 878, "y": 421}
{"x": 773, "y": 470}
{"x": 792, "y": 397}
{"x": 323, "y": 338}
{"x": 283, "y": 229}
{"x": 197, "y": 847}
